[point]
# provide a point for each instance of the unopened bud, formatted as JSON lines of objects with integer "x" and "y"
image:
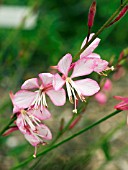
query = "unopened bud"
{"x": 121, "y": 14}
{"x": 91, "y": 14}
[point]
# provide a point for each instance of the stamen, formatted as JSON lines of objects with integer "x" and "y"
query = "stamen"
{"x": 34, "y": 155}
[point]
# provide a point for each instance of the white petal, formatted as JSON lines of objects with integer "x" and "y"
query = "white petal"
{"x": 24, "y": 98}
{"x": 83, "y": 67}
{"x": 100, "y": 65}
{"x": 87, "y": 87}
{"x": 58, "y": 82}
{"x": 57, "y": 97}
{"x": 91, "y": 47}
{"x": 30, "y": 84}
{"x": 64, "y": 64}
{"x": 46, "y": 78}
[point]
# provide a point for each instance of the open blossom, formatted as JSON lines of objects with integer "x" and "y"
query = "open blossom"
{"x": 37, "y": 99}
{"x": 29, "y": 123}
{"x": 85, "y": 87}
{"x": 122, "y": 105}
{"x": 100, "y": 65}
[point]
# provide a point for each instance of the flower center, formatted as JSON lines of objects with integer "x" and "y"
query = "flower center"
{"x": 71, "y": 89}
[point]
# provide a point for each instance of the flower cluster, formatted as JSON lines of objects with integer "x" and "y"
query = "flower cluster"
{"x": 30, "y": 102}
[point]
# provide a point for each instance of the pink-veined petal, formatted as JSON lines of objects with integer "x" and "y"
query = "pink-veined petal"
{"x": 100, "y": 65}
{"x": 83, "y": 67}
{"x": 24, "y": 98}
{"x": 57, "y": 97}
{"x": 20, "y": 124}
{"x": 93, "y": 55}
{"x": 46, "y": 78}
{"x": 91, "y": 47}
{"x": 33, "y": 140}
{"x": 15, "y": 108}
{"x": 64, "y": 64}
{"x": 58, "y": 82}
{"x": 30, "y": 84}
{"x": 40, "y": 113}
{"x": 44, "y": 132}
{"x": 87, "y": 87}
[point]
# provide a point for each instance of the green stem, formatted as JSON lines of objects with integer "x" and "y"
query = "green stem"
{"x": 69, "y": 138}
{"x": 7, "y": 126}
{"x": 101, "y": 29}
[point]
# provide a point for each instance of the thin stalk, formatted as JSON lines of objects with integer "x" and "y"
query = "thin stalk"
{"x": 69, "y": 138}
{"x": 8, "y": 125}
{"x": 101, "y": 29}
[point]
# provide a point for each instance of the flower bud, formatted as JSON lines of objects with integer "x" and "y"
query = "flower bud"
{"x": 91, "y": 14}
{"x": 121, "y": 14}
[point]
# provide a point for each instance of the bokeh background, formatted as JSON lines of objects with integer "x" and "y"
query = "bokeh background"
{"x": 54, "y": 29}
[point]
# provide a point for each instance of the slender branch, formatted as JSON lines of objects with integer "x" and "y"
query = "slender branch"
{"x": 101, "y": 29}
{"x": 69, "y": 138}
{"x": 7, "y": 126}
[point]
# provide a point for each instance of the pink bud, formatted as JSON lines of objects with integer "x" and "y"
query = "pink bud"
{"x": 91, "y": 14}
{"x": 121, "y": 14}
{"x": 75, "y": 122}
{"x": 10, "y": 130}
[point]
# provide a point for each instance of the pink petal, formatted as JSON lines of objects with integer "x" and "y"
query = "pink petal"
{"x": 24, "y": 98}
{"x": 57, "y": 97}
{"x": 40, "y": 113}
{"x": 34, "y": 141}
{"x": 46, "y": 78}
{"x": 30, "y": 84}
{"x": 15, "y": 108}
{"x": 121, "y": 98}
{"x": 87, "y": 87}
{"x": 91, "y": 47}
{"x": 64, "y": 64}
{"x": 83, "y": 67}
{"x": 100, "y": 65}
{"x": 58, "y": 82}
{"x": 44, "y": 132}
{"x": 20, "y": 124}
{"x": 93, "y": 55}
{"x": 101, "y": 98}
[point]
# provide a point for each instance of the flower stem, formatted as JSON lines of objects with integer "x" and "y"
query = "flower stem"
{"x": 101, "y": 29}
{"x": 69, "y": 138}
{"x": 7, "y": 126}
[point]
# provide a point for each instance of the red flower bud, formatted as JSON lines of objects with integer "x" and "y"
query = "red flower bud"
{"x": 91, "y": 14}
{"x": 121, "y": 14}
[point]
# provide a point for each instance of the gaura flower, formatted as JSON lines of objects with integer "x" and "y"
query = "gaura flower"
{"x": 88, "y": 51}
{"x": 100, "y": 65}
{"x": 29, "y": 123}
{"x": 122, "y": 105}
{"x": 37, "y": 99}
{"x": 85, "y": 87}
{"x": 40, "y": 113}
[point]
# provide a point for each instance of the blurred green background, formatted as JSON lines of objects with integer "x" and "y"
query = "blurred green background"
{"x": 60, "y": 28}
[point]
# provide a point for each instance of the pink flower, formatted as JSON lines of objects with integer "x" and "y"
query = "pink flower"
{"x": 37, "y": 99}
{"x": 40, "y": 113}
{"x": 122, "y": 105}
{"x": 85, "y": 87}
{"x": 100, "y": 65}
{"x": 88, "y": 51}
{"x": 34, "y": 132}
{"x": 29, "y": 123}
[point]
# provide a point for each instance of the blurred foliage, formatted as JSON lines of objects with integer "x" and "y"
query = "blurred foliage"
{"x": 61, "y": 28}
